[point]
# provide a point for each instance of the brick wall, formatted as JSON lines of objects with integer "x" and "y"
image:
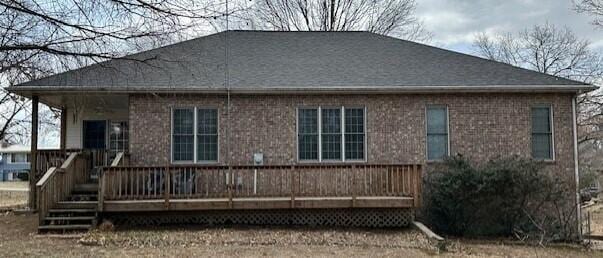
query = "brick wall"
{"x": 482, "y": 126}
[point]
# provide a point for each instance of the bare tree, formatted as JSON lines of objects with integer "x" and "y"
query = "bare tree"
{"x": 591, "y": 7}
{"x": 11, "y": 107}
{"x": 544, "y": 48}
{"x": 73, "y": 33}
{"x": 388, "y": 17}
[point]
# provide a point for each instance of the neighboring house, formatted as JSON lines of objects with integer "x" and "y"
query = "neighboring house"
{"x": 335, "y": 126}
{"x": 14, "y": 160}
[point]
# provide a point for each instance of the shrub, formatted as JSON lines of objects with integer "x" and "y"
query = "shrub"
{"x": 504, "y": 197}
{"x": 23, "y": 176}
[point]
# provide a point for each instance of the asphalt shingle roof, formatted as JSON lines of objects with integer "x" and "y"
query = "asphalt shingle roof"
{"x": 262, "y": 59}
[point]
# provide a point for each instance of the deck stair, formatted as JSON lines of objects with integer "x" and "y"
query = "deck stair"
{"x": 77, "y": 213}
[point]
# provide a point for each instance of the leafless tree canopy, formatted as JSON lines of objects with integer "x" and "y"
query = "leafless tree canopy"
{"x": 388, "y": 17}
{"x": 68, "y": 32}
{"x": 555, "y": 51}
{"x": 591, "y": 7}
{"x": 544, "y": 48}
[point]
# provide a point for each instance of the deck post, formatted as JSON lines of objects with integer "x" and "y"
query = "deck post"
{"x": 292, "y": 187}
{"x": 101, "y": 189}
{"x": 416, "y": 172}
{"x": 32, "y": 200}
{"x": 63, "y": 128}
{"x": 354, "y": 186}
{"x": 230, "y": 184}
{"x": 166, "y": 193}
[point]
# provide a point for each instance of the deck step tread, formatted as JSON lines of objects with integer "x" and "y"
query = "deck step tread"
{"x": 59, "y": 227}
{"x": 71, "y": 218}
{"x": 78, "y": 202}
{"x": 71, "y": 210}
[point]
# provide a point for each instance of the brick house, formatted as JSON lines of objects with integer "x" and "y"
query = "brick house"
{"x": 289, "y": 123}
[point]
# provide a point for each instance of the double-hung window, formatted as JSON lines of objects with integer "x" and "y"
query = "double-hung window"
{"x": 194, "y": 135}
{"x": 542, "y": 132}
{"x": 331, "y": 134}
{"x": 308, "y": 134}
{"x": 118, "y": 136}
{"x": 437, "y": 132}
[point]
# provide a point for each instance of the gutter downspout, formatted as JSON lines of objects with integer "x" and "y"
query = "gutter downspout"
{"x": 576, "y": 169}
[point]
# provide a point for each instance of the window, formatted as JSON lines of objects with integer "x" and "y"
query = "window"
{"x": 19, "y": 158}
{"x": 308, "y": 134}
{"x": 118, "y": 136}
{"x": 354, "y": 133}
{"x": 437, "y": 132}
{"x": 542, "y": 133}
{"x": 207, "y": 135}
{"x": 183, "y": 135}
{"x": 331, "y": 134}
{"x": 195, "y": 135}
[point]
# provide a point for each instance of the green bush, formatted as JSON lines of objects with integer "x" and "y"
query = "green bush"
{"x": 504, "y": 197}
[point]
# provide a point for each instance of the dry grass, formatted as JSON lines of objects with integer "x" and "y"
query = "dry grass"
{"x": 12, "y": 199}
{"x": 18, "y": 239}
{"x": 14, "y": 185}
{"x": 13, "y": 194}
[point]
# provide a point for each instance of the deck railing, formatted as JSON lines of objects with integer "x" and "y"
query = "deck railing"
{"x": 51, "y": 158}
{"x": 198, "y": 182}
{"x": 57, "y": 182}
{"x": 54, "y": 158}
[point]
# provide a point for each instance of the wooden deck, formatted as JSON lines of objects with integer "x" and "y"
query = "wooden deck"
{"x": 187, "y": 188}
{"x": 259, "y": 203}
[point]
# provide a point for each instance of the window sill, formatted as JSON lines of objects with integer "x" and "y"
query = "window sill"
{"x": 546, "y": 161}
{"x": 180, "y": 163}
{"x": 434, "y": 161}
{"x": 330, "y": 162}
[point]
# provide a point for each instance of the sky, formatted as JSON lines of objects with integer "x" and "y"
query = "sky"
{"x": 454, "y": 23}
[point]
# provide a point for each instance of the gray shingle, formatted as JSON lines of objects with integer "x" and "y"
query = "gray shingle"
{"x": 262, "y": 59}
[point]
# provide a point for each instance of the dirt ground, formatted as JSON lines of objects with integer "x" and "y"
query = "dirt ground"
{"x": 18, "y": 238}
{"x": 13, "y": 194}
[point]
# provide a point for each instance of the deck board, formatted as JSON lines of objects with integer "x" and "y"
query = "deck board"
{"x": 259, "y": 203}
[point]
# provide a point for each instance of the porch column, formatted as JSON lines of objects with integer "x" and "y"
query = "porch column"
{"x": 63, "y": 128}
{"x": 34, "y": 153}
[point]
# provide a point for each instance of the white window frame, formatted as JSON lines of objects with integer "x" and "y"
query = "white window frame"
{"x": 14, "y": 155}
{"x": 194, "y": 160}
{"x": 552, "y": 121}
{"x": 109, "y": 129}
{"x": 342, "y": 132}
{"x": 447, "y": 132}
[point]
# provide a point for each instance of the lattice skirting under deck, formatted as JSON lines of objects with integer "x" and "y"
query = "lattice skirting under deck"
{"x": 378, "y": 218}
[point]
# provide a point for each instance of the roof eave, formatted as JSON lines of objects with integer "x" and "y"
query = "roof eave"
{"x": 34, "y": 90}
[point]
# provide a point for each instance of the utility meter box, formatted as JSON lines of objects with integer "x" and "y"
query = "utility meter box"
{"x": 258, "y": 159}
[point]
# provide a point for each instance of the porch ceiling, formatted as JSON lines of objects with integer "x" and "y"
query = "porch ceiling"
{"x": 96, "y": 102}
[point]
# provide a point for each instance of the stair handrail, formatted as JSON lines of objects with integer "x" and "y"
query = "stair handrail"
{"x": 118, "y": 159}
{"x": 57, "y": 183}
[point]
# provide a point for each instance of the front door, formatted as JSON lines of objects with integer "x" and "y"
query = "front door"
{"x": 95, "y": 140}
{"x": 95, "y": 134}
